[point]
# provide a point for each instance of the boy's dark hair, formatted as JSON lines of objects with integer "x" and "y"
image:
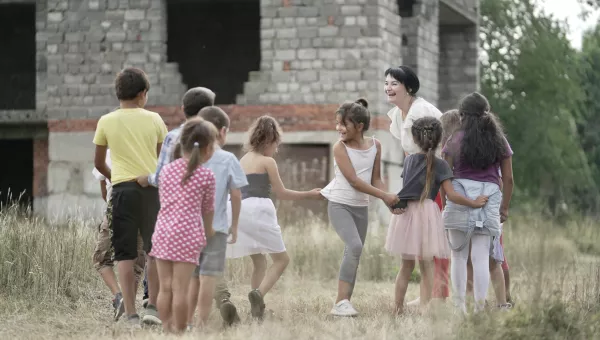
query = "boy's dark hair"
{"x": 130, "y": 82}
{"x": 407, "y": 77}
{"x": 263, "y": 132}
{"x": 427, "y": 133}
{"x": 215, "y": 115}
{"x": 355, "y": 112}
{"x": 483, "y": 143}
{"x": 196, "y": 135}
{"x": 195, "y": 99}
{"x": 450, "y": 123}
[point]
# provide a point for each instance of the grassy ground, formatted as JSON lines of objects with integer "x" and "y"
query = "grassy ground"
{"x": 49, "y": 290}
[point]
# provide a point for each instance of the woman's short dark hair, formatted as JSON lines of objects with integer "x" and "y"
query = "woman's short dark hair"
{"x": 406, "y": 76}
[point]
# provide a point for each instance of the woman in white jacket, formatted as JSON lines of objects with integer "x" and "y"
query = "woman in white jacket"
{"x": 401, "y": 87}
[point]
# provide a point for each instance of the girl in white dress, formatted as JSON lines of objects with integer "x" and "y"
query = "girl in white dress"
{"x": 258, "y": 230}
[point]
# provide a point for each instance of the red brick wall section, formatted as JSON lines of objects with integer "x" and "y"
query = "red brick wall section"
{"x": 40, "y": 167}
{"x": 291, "y": 117}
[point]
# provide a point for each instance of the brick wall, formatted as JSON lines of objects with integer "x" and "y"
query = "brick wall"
{"x": 40, "y": 167}
{"x": 300, "y": 117}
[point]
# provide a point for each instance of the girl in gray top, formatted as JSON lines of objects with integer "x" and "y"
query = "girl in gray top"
{"x": 416, "y": 231}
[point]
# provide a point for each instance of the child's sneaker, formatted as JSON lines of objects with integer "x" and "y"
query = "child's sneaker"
{"x": 119, "y": 306}
{"x": 151, "y": 317}
{"x": 505, "y": 307}
{"x": 343, "y": 308}
{"x": 414, "y": 303}
{"x": 133, "y": 321}
{"x": 229, "y": 313}
{"x": 257, "y": 304}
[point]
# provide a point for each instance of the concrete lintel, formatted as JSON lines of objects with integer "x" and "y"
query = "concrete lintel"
{"x": 453, "y": 13}
{"x": 23, "y": 131}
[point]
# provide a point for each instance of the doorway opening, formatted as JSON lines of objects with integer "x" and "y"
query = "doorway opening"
{"x": 215, "y": 43}
{"x": 17, "y": 60}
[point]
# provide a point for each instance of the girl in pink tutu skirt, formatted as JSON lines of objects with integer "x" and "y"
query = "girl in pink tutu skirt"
{"x": 416, "y": 231}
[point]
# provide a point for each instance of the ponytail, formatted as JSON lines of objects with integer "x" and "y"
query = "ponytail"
{"x": 192, "y": 164}
{"x": 430, "y": 156}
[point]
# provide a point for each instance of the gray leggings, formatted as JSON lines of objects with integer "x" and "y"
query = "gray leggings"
{"x": 351, "y": 224}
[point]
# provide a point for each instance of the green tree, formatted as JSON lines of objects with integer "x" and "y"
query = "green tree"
{"x": 530, "y": 77}
{"x": 589, "y": 119}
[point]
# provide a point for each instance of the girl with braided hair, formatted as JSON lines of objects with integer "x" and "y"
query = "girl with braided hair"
{"x": 416, "y": 231}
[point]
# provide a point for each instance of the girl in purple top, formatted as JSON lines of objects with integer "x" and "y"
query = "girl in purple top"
{"x": 475, "y": 152}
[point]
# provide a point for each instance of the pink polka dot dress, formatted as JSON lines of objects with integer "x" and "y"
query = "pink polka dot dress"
{"x": 179, "y": 232}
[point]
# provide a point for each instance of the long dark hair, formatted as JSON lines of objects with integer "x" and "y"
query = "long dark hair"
{"x": 196, "y": 136}
{"x": 483, "y": 143}
{"x": 427, "y": 133}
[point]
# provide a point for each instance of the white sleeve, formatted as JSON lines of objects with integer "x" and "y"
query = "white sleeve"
{"x": 98, "y": 175}
{"x": 396, "y": 125}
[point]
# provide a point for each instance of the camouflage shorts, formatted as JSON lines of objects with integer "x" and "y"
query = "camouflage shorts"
{"x": 103, "y": 256}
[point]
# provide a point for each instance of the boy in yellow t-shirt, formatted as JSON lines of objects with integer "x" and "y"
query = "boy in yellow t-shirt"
{"x": 134, "y": 136}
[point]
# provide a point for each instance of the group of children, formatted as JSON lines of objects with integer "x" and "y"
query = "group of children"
{"x": 178, "y": 205}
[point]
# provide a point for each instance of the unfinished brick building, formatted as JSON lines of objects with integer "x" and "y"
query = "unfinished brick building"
{"x": 294, "y": 59}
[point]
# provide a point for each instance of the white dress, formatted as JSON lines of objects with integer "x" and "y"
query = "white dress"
{"x": 258, "y": 229}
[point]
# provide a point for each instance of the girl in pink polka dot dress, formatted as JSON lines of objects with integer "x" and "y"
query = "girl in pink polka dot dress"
{"x": 187, "y": 192}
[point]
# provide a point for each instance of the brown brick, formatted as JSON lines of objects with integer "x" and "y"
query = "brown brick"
{"x": 301, "y": 117}
{"x": 40, "y": 167}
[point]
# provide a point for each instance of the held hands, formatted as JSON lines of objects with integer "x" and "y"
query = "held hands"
{"x": 503, "y": 215}
{"x": 143, "y": 181}
{"x": 480, "y": 201}
{"x": 233, "y": 232}
{"x": 210, "y": 232}
{"x": 315, "y": 194}
{"x": 391, "y": 199}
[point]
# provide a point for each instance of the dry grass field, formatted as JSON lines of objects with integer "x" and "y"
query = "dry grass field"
{"x": 49, "y": 290}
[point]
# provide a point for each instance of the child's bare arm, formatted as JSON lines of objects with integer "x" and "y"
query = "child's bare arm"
{"x": 236, "y": 206}
{"x": 450, "y": 161}
{"x": 376, "y": 180}
{"x": 100, "y": 161}
{"x": 103, "y": 190}
{"x": 207, "y": 219}
{"x": 459, "y": 199}
{"x": 279, "y": 189}
{"x": 508, "y": 184}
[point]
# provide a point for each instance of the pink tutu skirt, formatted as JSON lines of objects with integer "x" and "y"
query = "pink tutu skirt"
{"x": 418, "y": 234}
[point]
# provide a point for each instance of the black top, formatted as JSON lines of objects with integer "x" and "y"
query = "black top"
{"x": 259, "y": 185}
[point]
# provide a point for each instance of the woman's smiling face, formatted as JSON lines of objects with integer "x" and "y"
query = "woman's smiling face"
{"x": 394, "y": 90}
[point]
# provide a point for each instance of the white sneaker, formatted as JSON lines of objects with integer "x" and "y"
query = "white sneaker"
{"x": 343, "y": 308}
{"x": 414, "y": 302}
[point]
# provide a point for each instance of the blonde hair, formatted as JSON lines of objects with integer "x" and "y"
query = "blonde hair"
{"x": 450, "y": 124}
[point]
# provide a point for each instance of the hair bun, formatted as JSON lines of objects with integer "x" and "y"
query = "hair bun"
{"x": 363, "y": 102}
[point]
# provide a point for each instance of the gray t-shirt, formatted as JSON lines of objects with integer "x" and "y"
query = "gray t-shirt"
{"x": 414, "y": 173}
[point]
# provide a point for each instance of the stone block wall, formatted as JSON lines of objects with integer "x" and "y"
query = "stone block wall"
{"x": 421, "y": 46}
{"x": 459, "y": 64}
{"x": 315, "y": 54}
{"x": 88, "y": 41}
{"x": 324, "y": 51}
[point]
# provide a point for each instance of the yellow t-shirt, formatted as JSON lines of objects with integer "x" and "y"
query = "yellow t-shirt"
{"x": 132, "y": 136}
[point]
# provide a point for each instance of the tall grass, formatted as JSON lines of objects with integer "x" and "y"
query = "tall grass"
{"x": 556, "y": 286}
